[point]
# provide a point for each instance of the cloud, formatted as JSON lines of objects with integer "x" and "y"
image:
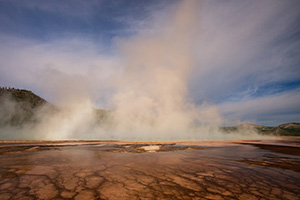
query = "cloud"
{"x": 266, "y": 110}
{"x": 96, "y": 19}
{"x": 238, "y": 48}
{"x": 244, "y": 46}
{"x": 75, "y": 65}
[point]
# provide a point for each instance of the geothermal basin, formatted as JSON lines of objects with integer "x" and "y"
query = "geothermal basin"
{"x": 256, "y": 169}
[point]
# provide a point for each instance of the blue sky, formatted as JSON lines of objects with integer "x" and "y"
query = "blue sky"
{"x": 98, "y": 20}
{"x": 245, "y": 54}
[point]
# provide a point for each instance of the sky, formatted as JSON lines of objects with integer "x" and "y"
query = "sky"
{"x": 244, "y": 55}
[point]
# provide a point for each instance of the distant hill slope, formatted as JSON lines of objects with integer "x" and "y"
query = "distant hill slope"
{"x": 287, "y": 129}
{"x": 22, "y": 96}
{"x": 19, "y": 106}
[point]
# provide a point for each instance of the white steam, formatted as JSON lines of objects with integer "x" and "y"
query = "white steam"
{"x": 151, "y": 99}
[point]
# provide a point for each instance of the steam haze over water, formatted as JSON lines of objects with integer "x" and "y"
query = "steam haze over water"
{"x": 167, "y": 70}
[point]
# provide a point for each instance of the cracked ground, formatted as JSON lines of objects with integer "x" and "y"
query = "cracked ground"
{"x": 120, "y": 170}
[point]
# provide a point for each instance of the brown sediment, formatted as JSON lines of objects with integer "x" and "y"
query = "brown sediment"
{"x": 283, "y": 149}
{"x": 175, "y": 171}
{"x": 290, "y": 150}
{"x": 276, "y": 161}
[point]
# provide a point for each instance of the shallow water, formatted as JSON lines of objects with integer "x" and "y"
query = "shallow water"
{"x": 116, "y": 170}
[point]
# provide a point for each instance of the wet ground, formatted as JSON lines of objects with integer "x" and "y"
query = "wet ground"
{"x": 128, "y": 170}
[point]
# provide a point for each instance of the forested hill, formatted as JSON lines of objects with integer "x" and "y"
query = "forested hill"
{"x": 19, "y": 106}
{"x": 21, "y": 96}
{"x": 287, "y": 129}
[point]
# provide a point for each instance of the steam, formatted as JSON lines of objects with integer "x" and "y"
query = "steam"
{"x": 151, "y": 99}
{"x": 152, "y": 96}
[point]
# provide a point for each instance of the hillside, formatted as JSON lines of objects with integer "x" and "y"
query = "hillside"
{"x": 22, "y": 96}
{"x": 287, "y": 129}
{"x": 19, "y": 106}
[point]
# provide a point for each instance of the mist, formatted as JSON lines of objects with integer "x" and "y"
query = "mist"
{"x": 150, "y": 98}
